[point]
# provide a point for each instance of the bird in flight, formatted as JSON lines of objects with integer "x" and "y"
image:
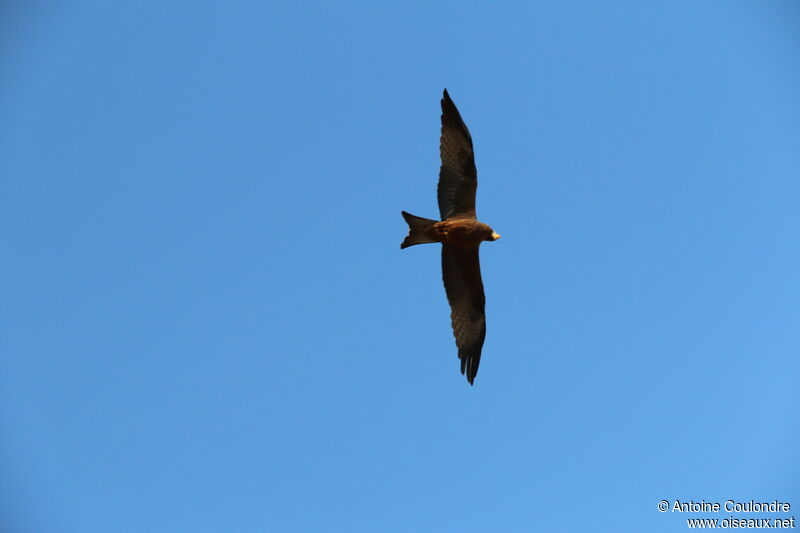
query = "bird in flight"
{"x": 461, "y": 234}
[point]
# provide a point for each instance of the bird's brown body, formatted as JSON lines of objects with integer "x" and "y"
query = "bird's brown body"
{"x": 461, "y": 232}
{"x": 461, "y": 235}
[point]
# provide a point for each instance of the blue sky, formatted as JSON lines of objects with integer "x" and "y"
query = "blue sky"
{"x": 208, "y": 324}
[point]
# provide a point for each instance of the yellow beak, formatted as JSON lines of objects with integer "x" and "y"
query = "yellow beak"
{"x": 495, "y": 236}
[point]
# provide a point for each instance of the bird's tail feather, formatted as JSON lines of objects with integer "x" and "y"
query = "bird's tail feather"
{"x": 416, "y": 230}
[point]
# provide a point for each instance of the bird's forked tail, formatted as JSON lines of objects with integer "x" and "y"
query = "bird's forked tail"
{"x": 416, "y": 230}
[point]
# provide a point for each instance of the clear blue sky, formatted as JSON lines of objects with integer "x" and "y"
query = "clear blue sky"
{"x": 185, "y": 347}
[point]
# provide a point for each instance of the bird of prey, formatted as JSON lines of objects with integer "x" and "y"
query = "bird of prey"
{"x": 460, "y": 234}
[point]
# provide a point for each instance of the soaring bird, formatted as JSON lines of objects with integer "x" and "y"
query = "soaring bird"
{"x": 461, "y": 236}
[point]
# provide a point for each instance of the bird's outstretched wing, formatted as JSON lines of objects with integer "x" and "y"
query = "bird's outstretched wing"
{"x": 458, "y": 178}
{"x": 461, "y": 273}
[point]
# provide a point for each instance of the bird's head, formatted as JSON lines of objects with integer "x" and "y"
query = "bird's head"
{"x": 492, "y": 235}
